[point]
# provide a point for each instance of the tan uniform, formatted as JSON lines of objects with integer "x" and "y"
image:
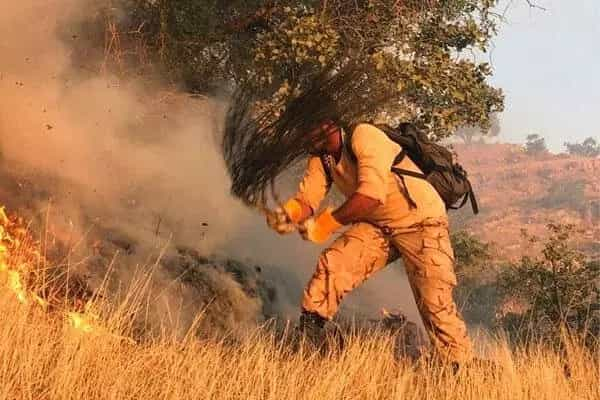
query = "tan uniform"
{"x": 419, "y": 234}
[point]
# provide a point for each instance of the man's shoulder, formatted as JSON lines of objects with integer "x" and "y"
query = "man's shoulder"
{"x": 369, "y": 135}
{"x": 365, "y": 131}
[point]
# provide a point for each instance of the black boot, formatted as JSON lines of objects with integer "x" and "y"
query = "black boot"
{"x": 316, "y": 334}
{"x": 312, "y": 328}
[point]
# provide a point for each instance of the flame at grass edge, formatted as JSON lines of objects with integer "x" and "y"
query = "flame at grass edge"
{"x": 14, "y": 241}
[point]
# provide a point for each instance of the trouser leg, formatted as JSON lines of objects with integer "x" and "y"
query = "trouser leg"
{"x": 354, "y": 256}
{"x": 429, "y": 262}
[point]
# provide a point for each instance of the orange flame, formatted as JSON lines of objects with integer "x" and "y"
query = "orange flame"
{"x": 15, "y": 284}
{"x": 17, "y": 248}
{"x": 80, "y": 322}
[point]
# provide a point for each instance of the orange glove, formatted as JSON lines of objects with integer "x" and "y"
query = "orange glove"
{"x": 285, "y": 219}
{"x": 320, "y": 228}
{"x": 293, "y": 209}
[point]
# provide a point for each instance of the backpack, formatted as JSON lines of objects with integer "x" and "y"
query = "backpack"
{"x": 447, "y": 177}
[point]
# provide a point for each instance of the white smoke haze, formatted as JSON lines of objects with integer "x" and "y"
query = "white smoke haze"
{"x": 138, "y": 158}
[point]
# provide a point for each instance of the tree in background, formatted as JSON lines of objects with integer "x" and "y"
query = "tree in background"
{"x": 588, "y": 148}
{"x": 535, "y": 145}
{"x": 470, "y": 133}
{"x": 561, "y": 289}
{"x": 423, "y": 49}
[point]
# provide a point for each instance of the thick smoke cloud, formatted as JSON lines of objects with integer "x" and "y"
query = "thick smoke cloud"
{"x": 133, "y": 157}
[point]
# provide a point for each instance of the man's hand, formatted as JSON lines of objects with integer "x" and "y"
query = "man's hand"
{"x": 284, "y": 220}
{"x": 355, "y": 209}
{"x": 320, "y": 228}
{"x": 279, "y": 221}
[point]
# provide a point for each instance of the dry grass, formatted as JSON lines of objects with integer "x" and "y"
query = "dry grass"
{"x": 42, "y": 357}
{"x": 45, "y": 354}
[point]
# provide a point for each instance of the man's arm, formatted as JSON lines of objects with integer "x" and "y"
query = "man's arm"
{"x": 356, "y": 208}
{"x": 312, "y": 189}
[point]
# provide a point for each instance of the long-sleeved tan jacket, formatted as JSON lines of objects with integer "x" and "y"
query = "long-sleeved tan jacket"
{"x": 369, "y": 173}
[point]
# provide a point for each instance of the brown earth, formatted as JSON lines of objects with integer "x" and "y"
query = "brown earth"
{"x": 519, "y": 192}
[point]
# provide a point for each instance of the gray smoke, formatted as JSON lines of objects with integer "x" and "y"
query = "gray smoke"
{"x": 137, "y": 161}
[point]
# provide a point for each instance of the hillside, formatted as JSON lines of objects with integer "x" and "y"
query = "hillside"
{"x": 520, "y": 192}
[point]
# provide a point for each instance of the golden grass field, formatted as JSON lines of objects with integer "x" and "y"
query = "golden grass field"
{"x": 50, "y": 352}
{"x": 42, "y": 357}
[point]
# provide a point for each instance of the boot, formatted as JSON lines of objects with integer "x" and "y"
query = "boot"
{"x": 316, "y": 334}
{"x": 312, "y": 329}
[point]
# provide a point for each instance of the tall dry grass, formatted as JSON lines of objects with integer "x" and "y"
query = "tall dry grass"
{"x": 43, "y": 357}
{"x": 50, "y": 351}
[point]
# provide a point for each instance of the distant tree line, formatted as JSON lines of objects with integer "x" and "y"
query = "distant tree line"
{"x": 535, "y": 144}
{"x": 588, "y": 148}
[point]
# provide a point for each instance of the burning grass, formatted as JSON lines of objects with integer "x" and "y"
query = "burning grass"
{"x": 47, "y": 353}
{"x": 39, "y": 286}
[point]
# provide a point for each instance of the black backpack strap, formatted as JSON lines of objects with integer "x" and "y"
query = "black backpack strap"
{"x": 401, "y": 156}
{"x": 470, "y": 195}
{"x": 462, "y": 203}
{"x": 404, "y": 190}
{"x": 347, "y": 142}
{"x": 401, "y": 173}
{"x": 325, "y": 158}
{"x": 474, "y": 204}
{"x": 413, "y": 174}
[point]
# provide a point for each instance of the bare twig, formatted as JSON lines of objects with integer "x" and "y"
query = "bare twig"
{"x": 534, "y": 5}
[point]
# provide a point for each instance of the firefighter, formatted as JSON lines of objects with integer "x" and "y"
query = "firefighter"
{"x": 385, "y": 215}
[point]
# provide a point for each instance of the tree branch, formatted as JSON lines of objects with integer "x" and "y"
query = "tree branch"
{"x": 534, "y": 5}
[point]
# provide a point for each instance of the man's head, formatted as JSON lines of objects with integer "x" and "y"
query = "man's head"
{"x": 326, "y": 138}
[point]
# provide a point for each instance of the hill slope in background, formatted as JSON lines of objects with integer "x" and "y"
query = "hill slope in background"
{"x": 518, "y": 192}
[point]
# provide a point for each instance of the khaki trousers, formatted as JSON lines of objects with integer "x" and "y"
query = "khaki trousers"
{"x": 429, "y": 261}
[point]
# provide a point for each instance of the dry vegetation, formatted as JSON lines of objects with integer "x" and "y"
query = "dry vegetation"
{"x": 45, "y": 354}
{"x": 517, "y": 191}
{"x": 45, "y": 359}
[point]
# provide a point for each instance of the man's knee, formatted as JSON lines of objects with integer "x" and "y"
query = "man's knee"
{"x": 435, "y": 261}
{"x": 321, "y": 294}
{"x": 433, "y": 296}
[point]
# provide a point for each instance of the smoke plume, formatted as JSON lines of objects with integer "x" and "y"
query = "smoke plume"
{"x": 134, "y": 160}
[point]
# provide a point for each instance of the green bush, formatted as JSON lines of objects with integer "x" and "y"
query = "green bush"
{"x": 476, "y": 293}
{"x": 559, "y": 289}
{"x": 470, "y": 252}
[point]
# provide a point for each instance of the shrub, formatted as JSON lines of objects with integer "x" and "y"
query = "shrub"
{"x": 470, "y": 252}
{"x": 589, "y": 148}
{"x": 477, "y": 274}
{"x": 535, "y": 145}
{"x": 560, "y": 289}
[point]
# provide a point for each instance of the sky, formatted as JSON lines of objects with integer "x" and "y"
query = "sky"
{"x": 548, "y": 63}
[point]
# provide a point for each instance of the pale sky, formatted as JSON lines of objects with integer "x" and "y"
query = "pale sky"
{"x": 548, "y": 63}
